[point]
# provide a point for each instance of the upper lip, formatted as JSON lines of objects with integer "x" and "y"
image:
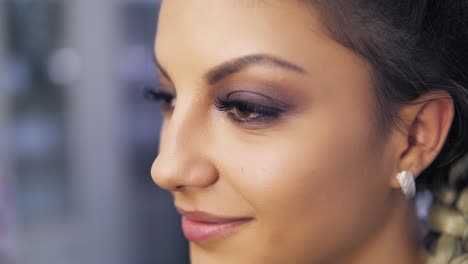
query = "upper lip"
{"x": 201, "y": 216}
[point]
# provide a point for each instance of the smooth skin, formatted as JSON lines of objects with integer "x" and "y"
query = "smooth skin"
{"x": 317, "y": 177}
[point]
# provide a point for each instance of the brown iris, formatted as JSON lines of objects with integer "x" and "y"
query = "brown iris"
{"x": 243, "y": 114}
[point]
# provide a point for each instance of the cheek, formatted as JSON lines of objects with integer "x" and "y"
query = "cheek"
{"x": 308, "y": 179}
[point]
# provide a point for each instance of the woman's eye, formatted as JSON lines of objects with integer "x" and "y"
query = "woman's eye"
{"x": 168, "y": 100}
{"x": 244, "y": 115}
{"x": 244, "y": 112}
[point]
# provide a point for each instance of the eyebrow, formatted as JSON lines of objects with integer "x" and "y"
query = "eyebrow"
{"x": 236, "y": 65}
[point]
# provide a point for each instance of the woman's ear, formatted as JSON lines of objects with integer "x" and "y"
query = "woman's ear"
{"x": 426, "y": 123}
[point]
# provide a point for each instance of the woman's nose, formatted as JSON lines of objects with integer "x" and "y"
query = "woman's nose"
{"x": 182, "y": 161}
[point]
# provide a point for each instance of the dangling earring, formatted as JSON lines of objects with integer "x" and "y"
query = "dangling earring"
{"x": 407, "y": 183}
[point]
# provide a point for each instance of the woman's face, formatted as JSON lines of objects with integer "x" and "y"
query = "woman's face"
{"x": 273, "y": 132}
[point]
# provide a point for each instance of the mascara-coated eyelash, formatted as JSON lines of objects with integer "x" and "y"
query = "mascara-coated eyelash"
{"x": 242, "y": 111}
{"x": 160, "y": 96}
{"x": 153, "y": 95}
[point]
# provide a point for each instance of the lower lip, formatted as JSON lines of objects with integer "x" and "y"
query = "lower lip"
{"x": 197, "y": 231}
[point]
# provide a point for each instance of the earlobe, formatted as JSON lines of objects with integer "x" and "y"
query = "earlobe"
{"x": 427, "y": 123}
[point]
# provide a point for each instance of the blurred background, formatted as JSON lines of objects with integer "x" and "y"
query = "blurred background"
{"x": 77, "y": 137}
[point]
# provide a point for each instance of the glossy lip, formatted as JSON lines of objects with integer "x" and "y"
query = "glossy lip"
{"x": 200, "y": 226}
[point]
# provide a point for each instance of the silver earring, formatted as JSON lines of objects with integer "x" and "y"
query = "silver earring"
{"x": 407, "y": 183}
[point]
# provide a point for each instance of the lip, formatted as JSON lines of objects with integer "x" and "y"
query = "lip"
{"x": 200, "y": 226}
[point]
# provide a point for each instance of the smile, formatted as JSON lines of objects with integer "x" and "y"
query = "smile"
{"x": 199, "y": 226}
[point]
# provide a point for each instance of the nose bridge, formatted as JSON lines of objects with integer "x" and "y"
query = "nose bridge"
{"x": 180, "y": 155}
{"x": 180, "y": 133}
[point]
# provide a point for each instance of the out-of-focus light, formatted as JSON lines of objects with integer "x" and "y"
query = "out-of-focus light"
{"x": 423, "y": 203}
{"x": 64, "y": 66}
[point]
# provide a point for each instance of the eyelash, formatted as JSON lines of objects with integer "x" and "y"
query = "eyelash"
{"x": 262, "y": 114}
{"x": 160, "y": 96}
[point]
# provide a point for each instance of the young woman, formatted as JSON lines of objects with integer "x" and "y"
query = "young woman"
{"x": 294, "y": 130}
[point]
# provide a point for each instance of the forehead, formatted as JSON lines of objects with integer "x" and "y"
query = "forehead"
{"x": 195, "y": 35}
{"x": 204, "y": 29}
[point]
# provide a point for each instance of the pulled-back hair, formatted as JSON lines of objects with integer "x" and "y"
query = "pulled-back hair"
{"x": 416, "y": 47}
